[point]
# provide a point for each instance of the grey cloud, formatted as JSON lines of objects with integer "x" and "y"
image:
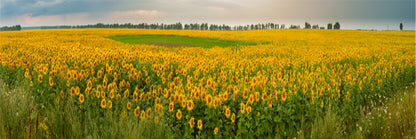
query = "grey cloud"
{"x": 19, "y": 7}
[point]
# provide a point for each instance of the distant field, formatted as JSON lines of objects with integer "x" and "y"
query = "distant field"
{"x": 176, "y": 40}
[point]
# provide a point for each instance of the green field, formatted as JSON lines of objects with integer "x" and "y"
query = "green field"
{"x": 176, "y": 40}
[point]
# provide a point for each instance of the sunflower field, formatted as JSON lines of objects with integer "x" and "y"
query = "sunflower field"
{"x": 82, "y": 81}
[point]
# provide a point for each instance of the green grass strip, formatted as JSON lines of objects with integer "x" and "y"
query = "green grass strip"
{"x": 178, "y": 41}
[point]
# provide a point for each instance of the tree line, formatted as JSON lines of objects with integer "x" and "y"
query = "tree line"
{"x": 191, "y": 26}
{"x": 176, "y": 26}
{"x": 11, "y": 28}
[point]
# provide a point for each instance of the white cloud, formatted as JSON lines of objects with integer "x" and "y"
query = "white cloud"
{"x": 131, "y": 16}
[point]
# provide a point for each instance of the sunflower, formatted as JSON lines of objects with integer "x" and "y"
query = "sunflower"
{"x": 112, "y": 94}
{"x": 128, "y": 105}
{"x": 99, "y": 88}
{"x": 118, "y": 97}
{"x": 284, "y": 95}
{"x": 270, "y": 104}
{"x": 156, "y": 119}
{"x": 73, "y": 91}
{"x": 215, "y": 131}
{"x": 137, "y": 111}
{"x": 233, "y": 118}
{"x": 227, "y": 112}
{"x": 199, "y": 124}
{"x": 126, "y": 93}
{"x": 251, "y": 99}
{"x": 276, "y": 94}
{"x": 257, "y": 95}
{"x": 27, "y": 73}
{"x": 148, "y": 80}
{"x": 179, "y": 114}
{"x": 62, "y": 94}
{"x": 123, "y": 114}
{"x": 149, "y": 112}
{"x": 192, "y": 122}
{"x": 142, "y": 115}
{"x": 216, "y": 101}
{"x": 245, "y": 94}
{"x": 348, "y": 96}
{"x": 183, "y": 103}
{"x": 322, "y": 104}
{"x": 81, "y": 98}
{"x": 89, "y": 84}
{"x": 248, "y": 109}
{"x": 68, "y": 75}
{"x": 40, "y": 77}
{"x": 50, "y": 81}
{"x": 110, "y": 104}
{"x": 171, "y": 106}
{"x": 103, "y": 103}
{"x": 264, "y": 97}
{"x": 160, "y": 109}
{"x": 98, "y": 94}
{"x": 209, "y": 100}
{"x": 31, "y": 83}
{"x": 77, "y": 91}
{"x": 86, "y": 91}
{"x": 190, "y": 105}
{"x": 105, "y": 83}
{"x": 242, "y": 108}
{"x": 102, "y": 94}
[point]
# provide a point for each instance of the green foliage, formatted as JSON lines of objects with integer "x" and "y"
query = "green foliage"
{"x": 328, "y": 127}
{"x": 176, "y": 40}
{"x": 401, "y": 26}
{"x": 22, "y": 117}
{"x": 329, "y": 26}
{"x": 394, "y": 118}
{"x": 337, "y": 25}
{"x": 11, "y": 28}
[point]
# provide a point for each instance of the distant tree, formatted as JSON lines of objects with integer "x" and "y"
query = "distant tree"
{"x": 315, "y": 26}
{"x": 329, "y": 26}
{"x": 307, "y": 25}
{"x": 11, "y": 28}
{"x": 18, "y": 27}
{"x": 294, "y": 26}
{"x": 401, "y": 26}
{"x": 282, "y": 26}
{"x": 321, "y": 27}
{"x": 337, "y": 25}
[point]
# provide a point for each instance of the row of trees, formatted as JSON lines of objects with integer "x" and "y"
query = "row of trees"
{"x": 179, "y": 26}
{"x": 11, "y": 28}
{"x": 329, "y": 26}
{"x": 194, "y": 26}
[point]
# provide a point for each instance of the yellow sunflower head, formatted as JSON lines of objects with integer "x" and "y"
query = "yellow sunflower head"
{"x": 179, "y": 114}
{"x": 103, "y": 103}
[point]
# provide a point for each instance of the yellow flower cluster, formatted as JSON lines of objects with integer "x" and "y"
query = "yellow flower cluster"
{"x": 320, "y": 68}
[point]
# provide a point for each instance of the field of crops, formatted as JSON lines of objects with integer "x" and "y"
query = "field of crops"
{"x": 83, "y": 82}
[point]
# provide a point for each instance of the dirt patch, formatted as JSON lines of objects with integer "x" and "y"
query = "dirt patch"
{"x": 170, "y": 44}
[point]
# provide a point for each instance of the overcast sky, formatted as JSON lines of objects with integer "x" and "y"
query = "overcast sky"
{"x": 352, "y": 14}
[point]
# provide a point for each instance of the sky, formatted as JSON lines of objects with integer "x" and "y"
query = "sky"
{"x": 351, "y": 14}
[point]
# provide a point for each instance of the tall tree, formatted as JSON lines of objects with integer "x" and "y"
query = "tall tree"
{"x": 307, "y": 25}
{"x": 337, "y": 25}
{"x": 401, "y": 26}
{"x": 329, "y": 26}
